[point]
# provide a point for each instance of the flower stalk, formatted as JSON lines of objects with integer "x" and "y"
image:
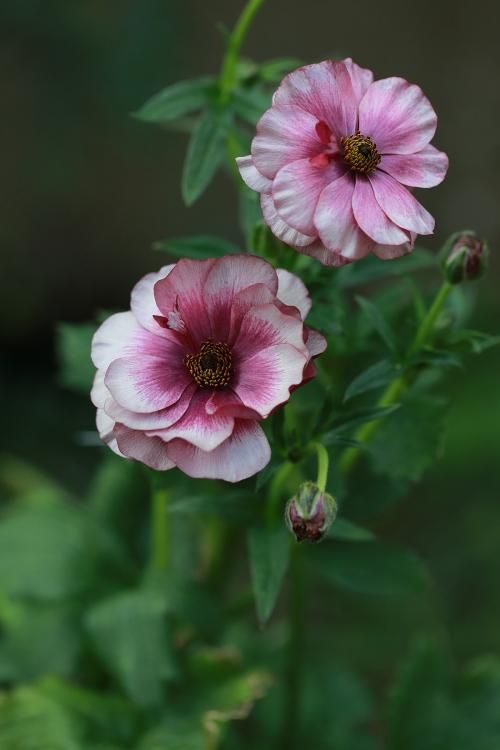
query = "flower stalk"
{"x": 160, "y": 553}
{"x": 227, "y": 78}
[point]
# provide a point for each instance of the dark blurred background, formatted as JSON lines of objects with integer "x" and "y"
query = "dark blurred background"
{"x": 86, "y": 189}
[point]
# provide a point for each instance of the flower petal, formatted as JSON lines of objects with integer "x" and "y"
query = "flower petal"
{"x": 296, "y": 190}
{"x": 284, "y": 134}
{"x": 293, "y": 292}
{"x": 397, "y": 115}
{"x": 370, "y": 217}
{"x": 361, "y": 78}
{"x": 325, "y": 256}
{"x": 105, "y": 428}
{"x": 149, "y": 450}
{"x": 243, "y": 454}
{"x": 263, "y": 381}
{"x": 280, "y": 228}
{"x": 251, "y": 175}
{"x": 143, "y": 303}
{"x": 147, "y": 384}
{"x": 326, "y": 90}
{"x": 121, "y": 335}
{"x": 182, "y": 290}
{"x": 426, "y": 168}
{"x": 156, "y": 420}
{"x": 399, "y": 204}
{"x": 389, "y": 252}
{"x": 315, "y": 342}
{"x": 198, "y": 427}
{"x": 266, "y": 326}
{"x": 335, "y": 221}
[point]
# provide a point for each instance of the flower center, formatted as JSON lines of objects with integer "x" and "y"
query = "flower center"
{"x": 212, "y": 367}
{"x": 360, "y": 152}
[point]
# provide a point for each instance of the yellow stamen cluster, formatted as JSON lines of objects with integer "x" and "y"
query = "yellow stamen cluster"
{"x": 360, "y": 152}
{"x": 212, "y": 367}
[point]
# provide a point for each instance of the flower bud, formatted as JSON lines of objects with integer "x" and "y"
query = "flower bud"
{"x": 310, "y": 513}
{"x": 466, "y": 258}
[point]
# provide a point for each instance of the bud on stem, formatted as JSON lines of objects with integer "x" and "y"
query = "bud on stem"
{"x": 310, "y": 513}
{"x": 465, "y": 257}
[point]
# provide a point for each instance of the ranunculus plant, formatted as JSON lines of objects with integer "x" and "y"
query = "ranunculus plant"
{"x": 263, "y": 405}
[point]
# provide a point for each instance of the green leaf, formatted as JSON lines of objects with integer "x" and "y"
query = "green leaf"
{"x": 73, "y": 341}
{"x": 249, "y": 213}
{"x": 198, "y": 247}
{"x": 51, "y": 550}
{"x": 377, "y": 375}
{"x": 474, "y": 342}
{"x": 177, "y": 100}
{"x": 206, "y": 151}
{"x": 130, "y": 635}
{"x": 347, "y": 530}
{"x": 30, "y": 720}
{"x": 436, "y": 358}
{"x": 370, "y": 568}
{"x": 407, "y": 444}
{"x": 378, "y": 321}
{"x": 232, "y": 506}
{"x": 274, "y": 70}
{"x": 269, "y": 549}
{"x": 249, "y": 104}
{"x": 352, "y": 419}
{"x": 176, "y": 734}
{"x": 372, "y": 269}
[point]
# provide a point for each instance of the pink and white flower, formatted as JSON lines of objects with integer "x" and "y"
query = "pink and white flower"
{"x": 208, "y": 349}
{"x": 334, "y": 158}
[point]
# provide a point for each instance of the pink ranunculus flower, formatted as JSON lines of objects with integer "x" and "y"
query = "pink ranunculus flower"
{"x": 334, "y": 157}
{"x": 208, "y": 349}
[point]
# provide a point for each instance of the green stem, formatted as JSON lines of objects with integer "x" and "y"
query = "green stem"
{"x": 295, "y": 651}
{"x": 228, "y": 73}
{"x": 159, "y": 531}
{"x": 276, "y": 490}
{"x": 391, "y": 394}
{"x": 323, "y": 462}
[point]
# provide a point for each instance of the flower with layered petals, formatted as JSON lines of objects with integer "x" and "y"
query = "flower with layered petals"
{"x": 208, "y": 349}
{"x": 334, "y": 158}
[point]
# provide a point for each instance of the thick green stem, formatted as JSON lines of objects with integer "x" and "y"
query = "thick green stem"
{"x": 398, "y": 386}
{"x": 159, "y": 531}
{"x": 296, "y": 654}
{"x": 228, "y": 73}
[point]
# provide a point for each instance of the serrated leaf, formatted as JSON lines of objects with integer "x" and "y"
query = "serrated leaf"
{"x": 377, "y": 375}
{"x": 341, "y": 528}
{"x": 130, "y": 635}
{"x": 370, "y": 568}
{"x": 372, "y": 269}
{"x": 379, "y": 322}
{"x": 269, "y": 550}
{"x": 274, "y": 70}
{"x": 73, "y": 341}
{"x": 407, "y": 444}
{"x": 177, "y": 100}
{"x": 350, "y": 420}
{"x": 206, "y": 151}
{"x": 198, "y": 247}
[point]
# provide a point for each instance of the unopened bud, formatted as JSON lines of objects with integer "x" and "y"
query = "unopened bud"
{"x": 466, "y": 258}
{"x": 310, "y": 513}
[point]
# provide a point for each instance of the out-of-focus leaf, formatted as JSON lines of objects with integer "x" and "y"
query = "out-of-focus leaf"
{"x": 420, "y": 711}
{"x": 347, "y": 530}
{"x": 407, "y": 444}
{"x": 370, "y": 567}
{"x": 198, "y": 247}
{"x": 249, "y": 213}
{"x": 475, "y": 342}
{"x": 250, "y": 103}
{"x": 76, "y": 370}
{"x": 30, "y": 720}
{"x": 436, "y": 358}
{"x": 379, "y": 374}
{"x": 177, "y": 100}
{"x": 232, "y": 506}
{"x": 205, "y": 153}
{"x": 352, "y": 419}
{"x": 268, "y": 472}
{"x": 274, "y": 70}
{"x": 130, "y": 635}
{"x": 37, "y": 639}
{"x": 269, "y": 550}
{"x": 53, "y": 550}
{"x": 379, "y": 322}
{"x": 175, "y": 734}
{"x": 371, "y": 269}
